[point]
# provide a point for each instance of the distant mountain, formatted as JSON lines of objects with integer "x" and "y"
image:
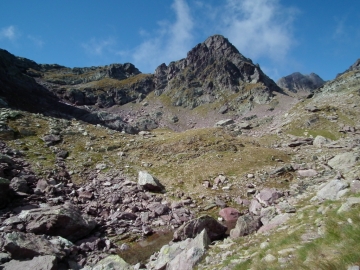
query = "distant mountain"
{"x": 214, "y": 71}
{"x": 299, "y": 83}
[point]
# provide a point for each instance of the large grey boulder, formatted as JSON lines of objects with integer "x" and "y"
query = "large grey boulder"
{"x": 112, "y": 262}
{"x": 24, "y": 246}
{"x": 192, "y": 254}
{"x": 192, "y": 228}
{"x": 333, "y": 190}
{"x": 344, "y": 161}
{"x": 245, "y": 225}
{"x": 62, "y": 220}
{"x": 149, "y": 182}
{"x": 181, "y": 255}
{"x": 46, "y": 262}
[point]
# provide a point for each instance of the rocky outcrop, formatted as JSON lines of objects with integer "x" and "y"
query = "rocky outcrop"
{"x": 212, "y": 71}
{"x": 63, "y": 220}
{"x": 47, "y": 262}
{"x": 181, "y": 255}
{"x": 21, "y": 87}
{"x": 214, "y": 229}
{"x": 353, "y": 67}
{"x": 299, "y": 83}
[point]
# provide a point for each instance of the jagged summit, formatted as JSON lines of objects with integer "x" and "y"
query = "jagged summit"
{"x": 212, "y": 71}
{"x": 299, "y": 83}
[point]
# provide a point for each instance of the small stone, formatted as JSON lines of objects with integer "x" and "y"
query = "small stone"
{"x": 269, "y": 258}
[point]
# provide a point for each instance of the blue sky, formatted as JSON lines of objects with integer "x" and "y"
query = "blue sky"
{"x": 321, "y": 36}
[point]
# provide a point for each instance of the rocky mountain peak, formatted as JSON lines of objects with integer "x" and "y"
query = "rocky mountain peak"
{"x": 299, "y": 83}
{"x": 212, "y": 71}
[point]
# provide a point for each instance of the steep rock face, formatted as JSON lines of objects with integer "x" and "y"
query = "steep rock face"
{"x": 297, "y": 82}
{"x": 213, "y": 71}
{"x": 21, "y": 87}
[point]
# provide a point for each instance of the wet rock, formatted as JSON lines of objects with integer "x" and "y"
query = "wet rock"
{"x": 46, "y": 262}
{"x": 245, "y": 225}
{"x": 63, "y": 220}
{"x": 214, "y": 229}
{"x": 148, "y": 182}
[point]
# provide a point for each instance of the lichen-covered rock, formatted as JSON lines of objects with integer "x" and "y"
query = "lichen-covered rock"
{"x": 24, "y": 246}
{"x": 47, "y": 262}
{"x": 149, "y": 182}
{"x": 245, "y": 225}
{"x": 63, "y": 220}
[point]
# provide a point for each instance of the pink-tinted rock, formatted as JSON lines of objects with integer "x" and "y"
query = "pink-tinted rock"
{"x": 229, "y": 214}
{"x": 276, "y": 221}
{"x": 307, "y": 173}
{"x": 268, "y": 196}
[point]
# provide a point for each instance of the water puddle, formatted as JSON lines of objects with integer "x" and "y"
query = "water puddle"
{"x": 142, "y": 250}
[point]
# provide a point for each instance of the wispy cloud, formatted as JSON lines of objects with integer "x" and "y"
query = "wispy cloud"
{"x": 98, "y": 46}
{"x": 339, "y": 31}
{"x": 38, "y": 42}
{"x": 169, "y": 42}
{"x": 9, "y": 32}
{"x": 259, "y": 28}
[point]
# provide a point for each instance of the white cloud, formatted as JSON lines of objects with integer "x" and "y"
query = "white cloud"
{"x": 170, "y": 42}
{"x": 9, "y": 32}
{"x": 36, "y": 40}
{"x": 98, "y": 46}
{"x": 260, "y": 28}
